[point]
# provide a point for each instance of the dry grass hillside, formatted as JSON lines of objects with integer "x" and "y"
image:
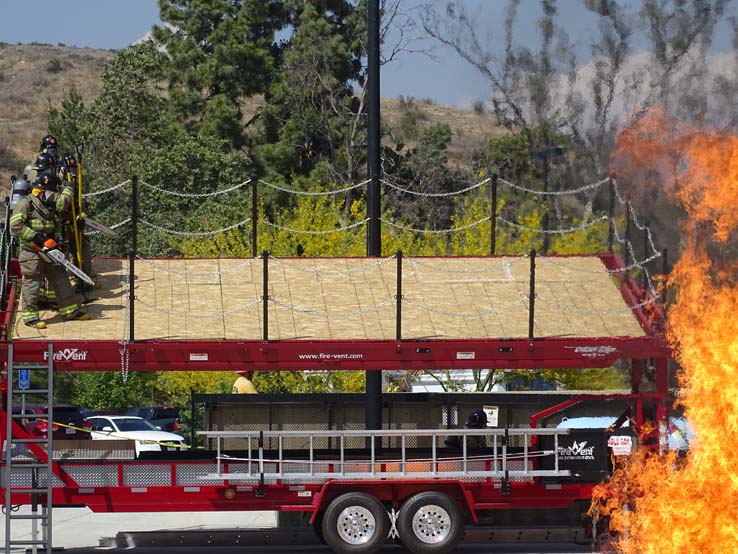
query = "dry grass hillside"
{"x": 33, "y": 76}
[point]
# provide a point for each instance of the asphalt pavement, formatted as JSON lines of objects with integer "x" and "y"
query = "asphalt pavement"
{"x": 80, "y": 531}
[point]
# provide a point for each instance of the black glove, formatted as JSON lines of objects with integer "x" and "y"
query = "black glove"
{"x": 38, "y": 240}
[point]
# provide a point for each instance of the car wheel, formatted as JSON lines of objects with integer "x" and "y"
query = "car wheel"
{"x": 430, "y": 522}
{"x": 355, "y": 523}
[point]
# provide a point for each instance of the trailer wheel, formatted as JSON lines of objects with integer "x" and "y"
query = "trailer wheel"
{"x": 430, "y": 522}
{"x": 355, "y": 523}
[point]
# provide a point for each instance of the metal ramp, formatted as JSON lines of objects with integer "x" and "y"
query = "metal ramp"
{"x": 28, "y": 463}
{"x": 492, "y": 460}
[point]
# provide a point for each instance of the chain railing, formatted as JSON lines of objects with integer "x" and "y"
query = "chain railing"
{"x": 623, "y": 238}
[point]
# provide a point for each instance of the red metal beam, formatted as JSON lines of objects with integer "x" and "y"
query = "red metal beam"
{"x": 295, "y": 355}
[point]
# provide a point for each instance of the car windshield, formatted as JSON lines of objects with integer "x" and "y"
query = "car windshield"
{"x": 133, "y": 424}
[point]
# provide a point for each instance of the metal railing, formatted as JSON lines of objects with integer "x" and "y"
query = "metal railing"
{"x": 488, "y": 458}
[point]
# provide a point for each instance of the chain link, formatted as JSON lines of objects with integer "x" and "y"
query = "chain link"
{"x": 105, "y": 191}
{"x": 434, "y": 194}
{"x": 308, "y": 193}
{"x": 315, "y": 313}
{"x": 480, "y": 313}
{"x": 434, "y": 231}
{"x": 119, "y": 224}
{"x": 505, "y": 263}
{"x": 554, "y": 231}
{"x": 215, "y": 272}
{"x": 304, "y": 232}
{"x": 196, "y": 194}
{"x": 627, "y": 310}
{"x": 317, "y": 271}
{"x": 195, "y": 234}
{"x": 604, "y": 270}
{"x": 584, "y": 188}
{"x": 237, "y": 309}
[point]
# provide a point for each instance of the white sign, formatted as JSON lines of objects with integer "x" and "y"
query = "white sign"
{"x": 466, "y": 355}
{"x": 622, "y": 445}
{"x": 198, "y": 357}
{"x": 492, "y": 415}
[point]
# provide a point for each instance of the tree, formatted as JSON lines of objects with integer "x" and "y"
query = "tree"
{"x": 220, "y": 52}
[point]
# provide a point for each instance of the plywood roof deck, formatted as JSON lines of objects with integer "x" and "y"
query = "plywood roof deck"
{"x": 349, "y": 298}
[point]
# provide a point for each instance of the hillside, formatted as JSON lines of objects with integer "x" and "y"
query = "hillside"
{"x": 34, "y": 76}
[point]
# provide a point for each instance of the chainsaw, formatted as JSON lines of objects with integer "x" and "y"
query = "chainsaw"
{"x": 50, "y": 251}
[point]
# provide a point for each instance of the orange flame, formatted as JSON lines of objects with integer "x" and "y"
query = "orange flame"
{"x": 690, "y": 506}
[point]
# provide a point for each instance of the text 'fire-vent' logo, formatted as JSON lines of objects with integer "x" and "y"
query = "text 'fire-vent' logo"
{"x": 68, "y": 354}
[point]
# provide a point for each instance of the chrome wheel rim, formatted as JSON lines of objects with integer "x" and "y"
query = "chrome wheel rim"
{"x": 431, "y": 524}
{"x": 356, "y": 525}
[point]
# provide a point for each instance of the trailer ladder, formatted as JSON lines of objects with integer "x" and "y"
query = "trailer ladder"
{"x": 32, "y": 472}
{"x": 493, "y": 461}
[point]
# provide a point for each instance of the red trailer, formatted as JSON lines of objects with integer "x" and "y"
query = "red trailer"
{"x": 338, "y": 314}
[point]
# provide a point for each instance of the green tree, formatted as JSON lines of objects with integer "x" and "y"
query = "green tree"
{"x": 220, "y": 52}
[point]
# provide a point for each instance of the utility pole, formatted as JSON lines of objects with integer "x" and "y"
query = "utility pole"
{"x": 374, "y": 229}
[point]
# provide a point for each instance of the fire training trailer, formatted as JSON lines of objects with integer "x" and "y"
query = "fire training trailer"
{"x": 356, "y": 487}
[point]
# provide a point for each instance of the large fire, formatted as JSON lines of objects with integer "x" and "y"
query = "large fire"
{"x": 691, "y": 506}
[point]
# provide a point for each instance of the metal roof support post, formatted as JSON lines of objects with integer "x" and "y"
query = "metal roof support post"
{"x": 254, "y": 215}
{"x": 132, "y": 257}
{"x": 532, "y": 295}
{"x": 644, "y": 275}
{"x": 611, "y": 216}
{"x": 628, "y": 245}
{"x": 398, "y": 296}
{"x": 493, "y": 215}
{"x": 265, "y": 295}
{"x": 374, "y": 231}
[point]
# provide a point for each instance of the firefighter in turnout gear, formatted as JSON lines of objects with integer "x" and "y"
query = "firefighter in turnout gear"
{"x": 34, "y": 222}
{"x": 68, "y": 174}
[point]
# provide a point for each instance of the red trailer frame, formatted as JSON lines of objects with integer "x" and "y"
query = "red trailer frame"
{"x": 117, "y": 492}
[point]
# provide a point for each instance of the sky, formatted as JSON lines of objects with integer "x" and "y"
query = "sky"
{"x": 445, "y": 78}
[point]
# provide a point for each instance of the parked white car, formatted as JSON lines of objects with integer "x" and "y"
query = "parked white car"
{"x": 146, "y": 436}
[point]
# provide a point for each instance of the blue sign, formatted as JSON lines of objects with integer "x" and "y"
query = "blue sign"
{"x": 24, "y": 379}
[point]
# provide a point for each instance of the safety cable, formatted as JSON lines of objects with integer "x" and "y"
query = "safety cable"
{"x": 195, "y": 234}
{"x": 196, "y": 194}
{"x": 307, "y": 232}
{"x": 313, "y": 193}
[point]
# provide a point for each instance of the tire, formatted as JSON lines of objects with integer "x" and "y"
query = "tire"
{"x": 430, "y": 522}
{"x": 355, "y": 523}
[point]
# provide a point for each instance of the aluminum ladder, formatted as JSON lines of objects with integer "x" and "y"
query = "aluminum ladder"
{"x": 495, "y": 462}
{"x": 24, "y": 472}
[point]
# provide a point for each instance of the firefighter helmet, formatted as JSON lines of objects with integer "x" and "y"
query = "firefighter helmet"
{"x": 49, "y": 141}
{"x": 69, "y": 161}
{"x": 48, "y": 181}
{"x": 44, "y": 162}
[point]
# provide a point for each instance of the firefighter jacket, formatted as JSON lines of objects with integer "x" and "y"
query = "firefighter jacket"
{"x": 32, "y": 216}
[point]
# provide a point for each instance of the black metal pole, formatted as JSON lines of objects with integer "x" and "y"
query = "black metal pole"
{"x": 134, "y": 213}
{"x": 132, "y": 260}
{"x": 532, "y": 295}
{"x": 493, "y": 216}
{"x": 131, "y": 296}
{"x": 627, "y": 246}
{"x": 645, "y": 256}
{"x": 374, "y": 230}
{"x": 611, "y": 217}
{"x": 398, "y": 296}
{"x": 265, "y": 294}
{"x": 544, "y": 222}
{"x": 254, "y": 216}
